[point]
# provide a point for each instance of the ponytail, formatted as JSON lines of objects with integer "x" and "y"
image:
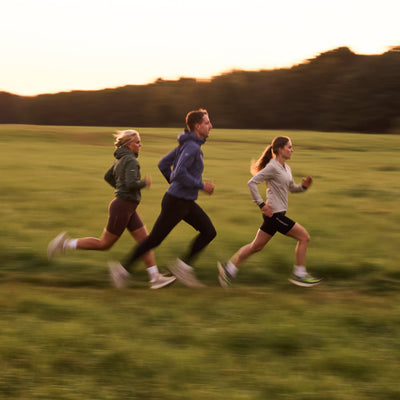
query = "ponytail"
{"x": 262, "y": 161}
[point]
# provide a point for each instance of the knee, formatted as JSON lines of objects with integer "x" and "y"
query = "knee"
{"x": 212, "y": 234}
{"x": 256, "y": 247}
{"x": 105, "y": 246}
{"x": 209, "y": 234}
{"x": 106, "y": 243}
{"x": 305, "y": 238}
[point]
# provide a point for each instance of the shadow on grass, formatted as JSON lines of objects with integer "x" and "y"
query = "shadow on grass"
{"x": 28, "y": 267}
{"x": 31, "y": 268}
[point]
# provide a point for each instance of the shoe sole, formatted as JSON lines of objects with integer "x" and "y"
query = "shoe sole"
{"x": 221, "y": 280}
{"x": 303, "y": 284}
{"x": 166, "y": 283}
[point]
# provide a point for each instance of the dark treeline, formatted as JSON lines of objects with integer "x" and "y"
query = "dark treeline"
{"x": 336, "y": 91}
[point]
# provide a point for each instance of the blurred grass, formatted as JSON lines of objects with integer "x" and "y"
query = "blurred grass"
{"x": 65, "y": 334}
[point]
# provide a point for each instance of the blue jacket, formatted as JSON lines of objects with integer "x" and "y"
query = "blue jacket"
{"x": 183, "y": 166}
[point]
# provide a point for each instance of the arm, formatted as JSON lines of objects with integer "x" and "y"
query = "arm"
{"x": 132, "y": 176}
{"x": 166, "y": 163}
{"x": 182, "y": 172}
{"x": 305, "y": 184}
{"x": 109, "y": 177}
{"x": 253, "y": 183}
{"x": 260, "y": 177}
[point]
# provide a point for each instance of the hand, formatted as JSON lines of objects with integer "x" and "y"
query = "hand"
{"x": 208, "y": 187}
{"x": 147, "y": 180}
{"x": 306, "y": 182}
{"x": 267, "y": 211}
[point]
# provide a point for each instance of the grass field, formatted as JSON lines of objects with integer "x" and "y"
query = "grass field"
{"x": 66, "y": 334}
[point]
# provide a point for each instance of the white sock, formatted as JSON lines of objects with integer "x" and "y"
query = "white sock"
{"x": 232, "y": 269}
{"x": 153, "y": 273}
{"x": 300, "y": 271}
{"x": 70, "y": 244}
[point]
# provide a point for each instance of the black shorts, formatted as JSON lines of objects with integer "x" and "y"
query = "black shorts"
{"x": 122, "y": 214}
{"x": 277, "y": 223}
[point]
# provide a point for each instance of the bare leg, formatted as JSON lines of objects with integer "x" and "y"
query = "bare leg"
{"x": 104, "y": 243}
{"x": 139, "y": 235}
{"x": 299, "y": 233}
{"x": 246, "y": 251}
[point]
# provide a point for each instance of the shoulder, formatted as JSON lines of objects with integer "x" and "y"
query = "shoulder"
{"x": 272, "y": 165}
{"x": 191, "y": 146}
{"x": 130, "y": 159}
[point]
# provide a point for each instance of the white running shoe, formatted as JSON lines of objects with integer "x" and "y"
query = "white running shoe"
{"x": 185, "y": 274}
{"x": 118, "y": 274}
{"x": 56, "y": 246}
{"x": 162, "y": 281}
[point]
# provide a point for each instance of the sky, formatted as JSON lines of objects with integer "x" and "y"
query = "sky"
{"x": 49, "y": 46}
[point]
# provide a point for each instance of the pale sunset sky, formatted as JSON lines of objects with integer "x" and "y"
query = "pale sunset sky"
{"x": 49, "y": 46}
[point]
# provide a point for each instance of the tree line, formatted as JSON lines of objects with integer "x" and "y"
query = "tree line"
{"x": 336, "y": 91}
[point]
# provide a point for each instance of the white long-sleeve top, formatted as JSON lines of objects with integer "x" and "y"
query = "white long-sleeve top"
{"x": 279, "y": 182}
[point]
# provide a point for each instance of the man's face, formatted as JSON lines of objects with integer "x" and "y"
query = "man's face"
{"x": 202, "y": 130}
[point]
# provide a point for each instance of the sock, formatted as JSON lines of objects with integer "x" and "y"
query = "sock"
{"x": 231, "y": 269}
{"x": 153, "y": 273}
{"x": 299, "y": 270}
{"x": 70, "y": 244}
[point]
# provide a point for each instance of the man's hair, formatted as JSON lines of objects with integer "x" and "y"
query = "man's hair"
{"x": 195, "y": 117}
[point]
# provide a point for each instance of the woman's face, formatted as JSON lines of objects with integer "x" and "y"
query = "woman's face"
{"x": 287, "y": 150}
{"x": 135, "y": 145}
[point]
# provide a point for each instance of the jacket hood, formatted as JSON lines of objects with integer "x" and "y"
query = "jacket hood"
{"x": 187, "y": 136}
{"x": 123, "y": 151}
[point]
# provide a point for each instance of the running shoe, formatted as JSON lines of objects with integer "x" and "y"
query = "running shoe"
{"x": 185, "y": 274}
{"x": 118, "y": 274}
{"x": 162, "y": 281}
{"x": 56, "y": 246}
{"x": 305, "y": 281}
{"x": 224, "y": 277}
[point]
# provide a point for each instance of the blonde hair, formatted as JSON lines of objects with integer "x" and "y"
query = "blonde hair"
{"x": 124, "y": 137}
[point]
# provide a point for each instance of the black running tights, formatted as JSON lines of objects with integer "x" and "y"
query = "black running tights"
{"x": 174, "y": 210}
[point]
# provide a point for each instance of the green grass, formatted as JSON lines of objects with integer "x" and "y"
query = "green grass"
{"x": 66, "y": 334}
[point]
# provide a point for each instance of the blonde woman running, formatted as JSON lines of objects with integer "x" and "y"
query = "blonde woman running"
{"x": 272, "y": 169}
{"x": 125, "y": 177}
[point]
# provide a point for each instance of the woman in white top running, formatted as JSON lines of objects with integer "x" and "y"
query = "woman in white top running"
{"x": 272, "y": 169}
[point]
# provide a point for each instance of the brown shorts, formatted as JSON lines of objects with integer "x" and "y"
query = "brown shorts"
{"x": 122, "y": 215}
